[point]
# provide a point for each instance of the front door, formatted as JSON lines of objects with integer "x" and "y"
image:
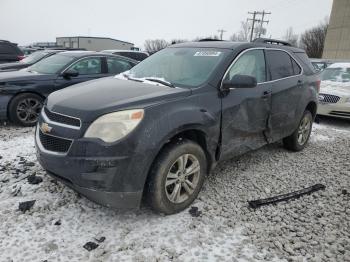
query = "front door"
{"x": 88, "y": 69}
{"x": 245, "y": 111}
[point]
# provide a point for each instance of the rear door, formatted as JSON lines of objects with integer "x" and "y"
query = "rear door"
{"x": 89, "y": 68}
{"x": 245, "y": 110}
{"x": 287, "y": 84}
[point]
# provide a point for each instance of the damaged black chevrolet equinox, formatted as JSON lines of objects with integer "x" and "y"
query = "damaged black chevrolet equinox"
{"x": 154, "y": 133}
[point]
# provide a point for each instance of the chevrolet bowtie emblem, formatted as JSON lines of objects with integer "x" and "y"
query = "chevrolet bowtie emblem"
{"x": 45, "y": 128}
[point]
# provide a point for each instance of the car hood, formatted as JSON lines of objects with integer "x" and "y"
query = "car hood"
{"x": 335, "y": 88}
{"x": 23, "y": 75}
{"x": 92, "y": 99}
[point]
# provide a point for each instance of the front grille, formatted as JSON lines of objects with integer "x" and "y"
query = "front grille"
{"x": 71, "y": 121}
{"x": 325, "y": 98}
{"x": 55, "y": 144}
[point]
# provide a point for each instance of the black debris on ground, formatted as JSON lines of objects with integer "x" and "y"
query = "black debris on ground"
{"x": 25, "y": 206}
{"x": 34, "y": 180}
{"x": 293, "y": 195}
{"x": 100, "y": 240}
{"x": 195, "y": 212}
{"x": 344, "y": 192}
{"x": 90, "y": 246}
{"x": 58, "y": 223}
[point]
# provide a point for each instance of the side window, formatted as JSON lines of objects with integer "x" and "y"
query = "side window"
{"x": 88, "y": 66}
{"x": 280, "y": 64}
{"x": 296, "y": 67}
{"x": 117, "y": 65}
{"x": 251, "y": 63}
{"x": 6, "y": 49}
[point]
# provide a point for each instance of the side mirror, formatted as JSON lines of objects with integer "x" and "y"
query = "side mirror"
{"x": 70, "y": 73}
{"x": 239, "y": 81}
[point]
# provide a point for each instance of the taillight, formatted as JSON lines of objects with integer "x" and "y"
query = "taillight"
{"x": 318, "y": 85}
{"x": 20, "y": 57}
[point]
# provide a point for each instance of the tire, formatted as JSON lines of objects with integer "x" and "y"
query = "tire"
{"x": 24, "y": 109}
{"x": 294, "y": 141}
{"x": 167, "y": 168}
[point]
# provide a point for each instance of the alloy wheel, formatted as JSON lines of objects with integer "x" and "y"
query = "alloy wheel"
{"x": 182, "y": 178}
{"x": 304, "y": 130}
{"x": 28, "y": 110}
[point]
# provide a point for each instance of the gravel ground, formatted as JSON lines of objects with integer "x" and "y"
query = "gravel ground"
{"x": 311, "y": 228}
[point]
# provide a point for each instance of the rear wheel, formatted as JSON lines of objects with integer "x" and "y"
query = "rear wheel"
{"x": 176, "y": 177}
{"x": 24, "y": 109}
{"x": 298, "y": 140}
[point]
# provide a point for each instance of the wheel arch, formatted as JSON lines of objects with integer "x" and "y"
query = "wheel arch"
{"x": 312, "y": 107}
{"x": 195, "y": 134}
{"x": 21, "y": 93}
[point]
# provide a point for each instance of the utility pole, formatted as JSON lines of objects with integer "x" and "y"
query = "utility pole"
{"x": 263, "y": 21}
{"x": 221, "y": 32}
{"x": 255, "y": 20}
{"x": 253, "y": 23}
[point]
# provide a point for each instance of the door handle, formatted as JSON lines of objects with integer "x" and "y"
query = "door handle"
{"x": 266, "y": 94}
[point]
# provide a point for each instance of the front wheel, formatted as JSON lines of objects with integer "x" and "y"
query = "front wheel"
{"x": 298, "y": 140}
{"x": 176, "y": 177}
{"x": 24, "y": 109}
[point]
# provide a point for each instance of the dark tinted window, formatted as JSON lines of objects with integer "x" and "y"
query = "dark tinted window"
{"x": 305, "y": 62}
{"x": 133, "y": 55}
{"x": 280, "y": 64}
{"x": 7, "y": 49}
{"x": 296, "y": 67}
{"x": 117, "y": 65}
{"x": 251, "y": 63}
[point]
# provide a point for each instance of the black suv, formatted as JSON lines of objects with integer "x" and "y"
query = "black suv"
{"x": 10, "y": 52}
{"x": 155, "y": 132}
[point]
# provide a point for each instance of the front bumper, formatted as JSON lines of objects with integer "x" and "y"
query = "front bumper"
{"x": 340, "y": 110}
{"x": 90, "y": 168}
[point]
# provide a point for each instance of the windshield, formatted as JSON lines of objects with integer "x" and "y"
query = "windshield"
{"x": 183, "y": 67}
{"x": 336, "y": 74}
{"x": 51, "y": 65}
{"x": 34, "y": 57}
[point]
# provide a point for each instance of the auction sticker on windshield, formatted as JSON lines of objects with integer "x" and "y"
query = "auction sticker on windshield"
{"x": 207, "y": 53}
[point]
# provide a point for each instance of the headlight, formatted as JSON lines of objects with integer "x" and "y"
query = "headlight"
{"x": 114, "y": 126}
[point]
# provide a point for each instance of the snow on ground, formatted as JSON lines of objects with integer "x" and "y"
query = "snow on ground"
{"x": 314, "y": 227}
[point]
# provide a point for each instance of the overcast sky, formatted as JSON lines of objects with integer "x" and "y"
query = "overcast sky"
{"x": 28, "y": 21}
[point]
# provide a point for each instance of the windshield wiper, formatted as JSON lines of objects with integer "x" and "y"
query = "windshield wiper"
{"x": 131, "y": 78}
{"x": 160, "y": 81}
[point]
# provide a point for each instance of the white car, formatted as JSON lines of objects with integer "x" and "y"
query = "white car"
{"x": 334, "y": 97}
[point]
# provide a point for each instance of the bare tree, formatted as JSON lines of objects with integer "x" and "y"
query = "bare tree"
{"x": 155, "y": 45}
{"x": 312, "y": 40}
{"x": 243, "y": 34}
{"x": 291, "y": 37}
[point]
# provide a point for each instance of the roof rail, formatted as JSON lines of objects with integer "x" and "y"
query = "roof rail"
{"x": 208, "y": 39}
{"x": 271, "y": 41}
{"x": 4, "y": 41}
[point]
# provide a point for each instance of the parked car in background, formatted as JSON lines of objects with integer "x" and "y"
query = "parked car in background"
{"x": 29, "y": 50}
{"x": 155, "y": 132}
{"x": 334, "y": 97}
{"x": 10, "y": 52}
{"x": 320, "y": 64}
{"x": 22, "y": 92}
{"x": 136, "y": 55}
{"x": 29, "y": 60}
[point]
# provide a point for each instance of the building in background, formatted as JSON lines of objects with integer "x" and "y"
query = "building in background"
{"x": 337, "y": 45}
{"x": 93, "y": 43}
